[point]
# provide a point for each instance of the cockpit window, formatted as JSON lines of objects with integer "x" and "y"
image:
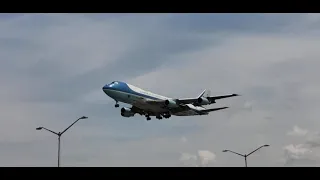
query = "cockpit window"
{"x": 113, "y": 83}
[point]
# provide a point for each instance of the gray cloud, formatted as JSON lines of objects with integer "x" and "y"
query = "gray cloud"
{"x": 242, "y": 22}
{"x": 65, "y": 66}
{"x": 53, "y": 67}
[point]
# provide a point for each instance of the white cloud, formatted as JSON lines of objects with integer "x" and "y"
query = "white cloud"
{"x": 206, "y": 157}
{"x": 306, "y": 153}
{"x": 297, "y": 131}
{"x": 296, "y": 151}
{"x": 203, "y": 158}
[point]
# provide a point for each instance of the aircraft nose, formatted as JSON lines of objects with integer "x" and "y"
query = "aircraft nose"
{"x": 105, "y": 87}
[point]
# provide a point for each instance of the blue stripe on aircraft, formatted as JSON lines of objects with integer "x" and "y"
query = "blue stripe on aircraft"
{"x": 123, "y": 87}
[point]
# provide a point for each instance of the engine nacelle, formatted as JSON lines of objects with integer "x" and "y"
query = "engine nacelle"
{"x": 171, "y": 103}
{"x": 126, "y": 112}
{"x": 203, "y": 101}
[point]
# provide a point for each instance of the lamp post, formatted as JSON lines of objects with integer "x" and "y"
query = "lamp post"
{"x": 59, "y": 134}
{"x": 246, "y": 155}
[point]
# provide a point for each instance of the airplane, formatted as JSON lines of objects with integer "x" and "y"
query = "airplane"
{"x": 149, "y": 104}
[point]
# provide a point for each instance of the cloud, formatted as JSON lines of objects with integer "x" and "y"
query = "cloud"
{"x": 200, "y": 159}
{"x": 313, "y": 140}
{"x": 297, "y": 131}
{"x": 300, "y": 155}
{"x": 188, "y": 159}
{"x": 296, "y": 151}
{"x": 203, "y": 158}
{"x": 305, "y": 153}
{"x": 206, "y": 157}
{"x": 53, "y": 67}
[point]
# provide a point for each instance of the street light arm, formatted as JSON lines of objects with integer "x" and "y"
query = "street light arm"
{"x": 70, "y": 126}
{"x": 258, "y": 149}
{"x": 235, "y": 153}
{"x": 50, "y": 131}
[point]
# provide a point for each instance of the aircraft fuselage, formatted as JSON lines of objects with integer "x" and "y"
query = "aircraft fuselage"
{"x": 151, "y": 104}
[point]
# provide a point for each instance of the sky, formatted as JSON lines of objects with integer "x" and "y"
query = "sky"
{"x": 53, "y": 68}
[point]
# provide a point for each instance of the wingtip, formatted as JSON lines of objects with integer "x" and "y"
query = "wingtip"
{"x": 236, "y": 94}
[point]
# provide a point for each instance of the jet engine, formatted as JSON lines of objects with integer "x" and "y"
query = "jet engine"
{"x": 126, "y": 112}
{"x": 203, "y": 101}
{"x": 171, "y": 103}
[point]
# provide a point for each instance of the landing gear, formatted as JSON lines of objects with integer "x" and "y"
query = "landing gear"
{"x": 148, "y": 117}
{"x": 167, "y": 115}
{"x": 158, "y": 116}
{"x": 116, "y": 105}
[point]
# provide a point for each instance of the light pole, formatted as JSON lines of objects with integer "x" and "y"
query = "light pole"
{"x": 246, "y": 155}
{"x": 59, "y": 134}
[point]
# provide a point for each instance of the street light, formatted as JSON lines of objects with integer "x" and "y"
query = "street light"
{"x": 59, "y": 134}
{"x": 246, "y": 155}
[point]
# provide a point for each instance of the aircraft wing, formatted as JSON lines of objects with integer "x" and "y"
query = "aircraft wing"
{"x": 211, "y": 99}
{"x": 137, "y": 110}
{"x": 203, "y": 99}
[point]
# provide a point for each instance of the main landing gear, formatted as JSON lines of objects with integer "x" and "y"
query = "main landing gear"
{"x": 159, "y": 116}
{"x": 167, "y": 115}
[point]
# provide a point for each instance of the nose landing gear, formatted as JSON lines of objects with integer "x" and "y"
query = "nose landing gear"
{"x": 116, "y": 105}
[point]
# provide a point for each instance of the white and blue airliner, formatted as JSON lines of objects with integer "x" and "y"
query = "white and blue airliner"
{"x": 149, "y": 104}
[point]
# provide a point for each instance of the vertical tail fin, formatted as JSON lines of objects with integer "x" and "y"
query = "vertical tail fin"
{"x": 205, "y": 93}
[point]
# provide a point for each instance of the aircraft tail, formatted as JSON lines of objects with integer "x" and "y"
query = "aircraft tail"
{"x": 205, "y": 93}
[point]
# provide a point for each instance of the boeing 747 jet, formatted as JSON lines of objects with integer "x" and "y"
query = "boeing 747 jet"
{"x": 149, "y": 104}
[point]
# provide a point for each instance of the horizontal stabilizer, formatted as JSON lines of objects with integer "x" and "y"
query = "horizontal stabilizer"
{"x": 222, "y": 97}
{"x": 214, "y": 109}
